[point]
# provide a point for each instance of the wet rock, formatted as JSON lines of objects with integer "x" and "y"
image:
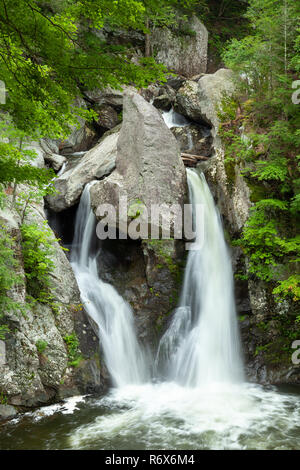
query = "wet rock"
{"x": 194, "y": 139}
{"x": 148, "y": 275}
{"x": 35, "y": 358}
{"x": 108, "y": 97}
{"x": 54, "y": 160}
{"x": 162, "y": 102}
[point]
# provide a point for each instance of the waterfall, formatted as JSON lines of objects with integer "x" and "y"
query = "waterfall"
{"x": 202, "y": 343}
{"x": 124, "y": 357}
{"x": 173, "y": 119}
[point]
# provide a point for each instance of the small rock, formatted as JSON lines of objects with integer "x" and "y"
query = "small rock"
{"x": 7, "y": 411}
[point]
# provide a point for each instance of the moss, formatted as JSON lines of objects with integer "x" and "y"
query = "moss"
{"x": 74, "y": 353}
{"x": 279, "y": 350}
{"x": 136, "y": 209}
{"x": 165, "y": 250}
{"x": 41, "y": 345}
{"x": 262, "y": 326}
{"x": 229, "y": 165}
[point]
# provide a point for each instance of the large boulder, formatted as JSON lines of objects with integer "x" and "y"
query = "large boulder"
{"x": 38, "y": 154}
{"x": 185, "y": 55}
{"x": 108, "y": 97}
{"x": 81, "y": 139}
{"x": 149, "y": 169}
{"x": 98, "y": 162}
{"x": 200, "y": 101}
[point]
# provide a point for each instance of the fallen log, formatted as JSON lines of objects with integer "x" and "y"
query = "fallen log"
{"x": 196, "y": 157}
{"x": 189, "y": 161}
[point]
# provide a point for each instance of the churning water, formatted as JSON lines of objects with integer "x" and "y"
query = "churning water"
{"x": 198, "y": 398}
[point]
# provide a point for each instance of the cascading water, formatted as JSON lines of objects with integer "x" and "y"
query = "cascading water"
{"x": 125, "y": 360}
{"x": 173, "y": 119}
{"x": 202, "y": 402}
{"x": 202, "y": 343}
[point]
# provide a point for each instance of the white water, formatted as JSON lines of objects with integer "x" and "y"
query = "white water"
{"x": 125, "y": 360}
{"x": 202, "y": 402}
{"x": 173, "y": 119}
{"x": 202, "y": 343}
{"x": 62, "y": 170}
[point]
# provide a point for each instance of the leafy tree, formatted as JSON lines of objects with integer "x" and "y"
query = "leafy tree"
{"x": 8, "y": 277}
{"x": 266, "y": 63}
{"x": 162, "y": 13}
{"x": 37, "y": 249}
{"x": 48, "y": 54}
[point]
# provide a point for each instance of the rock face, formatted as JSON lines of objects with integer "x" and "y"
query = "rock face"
{"x": 31, "y": 375}
{"x": 199, "y": 101}
{"x": 98, "y": 162}
{"x": 148, "y": 275}
{"x": 194, "y": 139}
{"x": 107, "y": 117}
{"x": 148, "y": 165}
{"x": 54, "y": 160}
{"x": 80, "y": 140}
{"x": 184, "y": 54}
{"x": 37, "y": 148}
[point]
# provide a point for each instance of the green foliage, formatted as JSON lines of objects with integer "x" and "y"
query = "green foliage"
{"x": 224, "y": 20}
{"x": 265, "y": 63}
{"x": 16, "y": 162}
{"x": 37, "y": 248}
{"x": 8, "y": 277}
{"x": 41, "y": 345}
{"x": 262, "y": 349}
{"x": 74, "y": 354}
{"x": 289, "y": 288}
{"x": 46, "y": 66}
{"x": 3, "y": 399}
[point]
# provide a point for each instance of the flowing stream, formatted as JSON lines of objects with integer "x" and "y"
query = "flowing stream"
{"x": 197, "y": 397}
{"x": 202, "y": 343}
{"x": 125, "y": 359}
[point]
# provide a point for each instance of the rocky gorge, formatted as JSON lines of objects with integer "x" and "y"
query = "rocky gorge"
{"x": 130, "y": 150}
